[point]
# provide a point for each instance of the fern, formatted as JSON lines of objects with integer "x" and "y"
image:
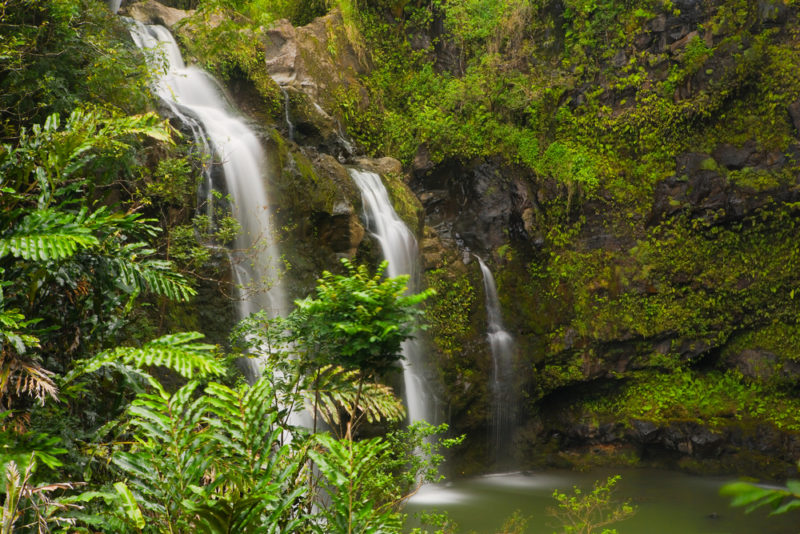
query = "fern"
{"x": 350, "y": 468}
{"x": 336, "y": 390}
{"x": 48, "y": 234}
{"x": 173, "y": 351}
{"x": 152, "y": 275}
{"x": 212, "y": 463}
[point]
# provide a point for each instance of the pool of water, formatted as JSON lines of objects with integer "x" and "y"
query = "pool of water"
{"x": 667, "y": 503}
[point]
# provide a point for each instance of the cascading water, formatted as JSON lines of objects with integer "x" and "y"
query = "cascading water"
{"x": 287, "y": 116}
{"x": 502, "y": 388}
{"x": 198, "y": 101}
{"x": 399, "y": 248}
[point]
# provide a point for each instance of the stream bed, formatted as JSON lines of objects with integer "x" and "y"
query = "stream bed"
{"x": 667, "y": 503}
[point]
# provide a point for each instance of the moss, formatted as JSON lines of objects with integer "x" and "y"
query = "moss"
{"x": 716, "y": 400}
{"x": 450, "y": 312}
{"x": 404, "y": 201}
{"x": 300, "y": 185}
{"x": 779, "y": 338}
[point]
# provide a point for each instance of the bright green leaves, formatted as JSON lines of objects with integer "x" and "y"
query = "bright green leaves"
{"x": 175, "y": 351}
{"x": 129, "y": 506}
{"x": 585, "y": 512}
{"x": 335, "y": 387}
{"x": 358, "y": 320}
{"x": 43, "y": 247}
{"x": 53, "y": 155}
{"x": 211, "y": 460}
{"x": 349, "y": 467}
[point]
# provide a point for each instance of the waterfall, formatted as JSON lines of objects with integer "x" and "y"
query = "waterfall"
{"x": 198, "y": 101}
{"x": 399, "y": 248}
{"x": 502, "y": 387}
{"x": 287, "y": 116}
{"x": 113, "y": 5}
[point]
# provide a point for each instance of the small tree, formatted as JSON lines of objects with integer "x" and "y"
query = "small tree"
{"x": 357, "y": 321}
{"x": 587, "y": 512}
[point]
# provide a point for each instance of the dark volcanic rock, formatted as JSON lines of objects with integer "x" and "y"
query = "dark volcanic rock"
{"x": 475, "y": 206}
{"x": 701, "y": 185}
{"x": 794, "y": 113}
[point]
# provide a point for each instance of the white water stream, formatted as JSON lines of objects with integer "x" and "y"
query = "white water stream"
{"x": 198, "y": 101}
{"x": 399, "y": 248}
{"x": 502, "y": 387}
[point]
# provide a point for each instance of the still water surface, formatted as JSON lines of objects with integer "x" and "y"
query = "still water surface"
{"x": 667, "y": 502}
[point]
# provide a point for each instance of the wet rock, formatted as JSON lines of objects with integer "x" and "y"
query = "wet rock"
{"x": 313, "y": 64}
{"x": 476, "y": 206}
{"x": 701, "y": 185}
{"x": 772, "y": 12}
{"x": 620, "y": 59}
{"x": 299, "y": 57}
{"x": 683, "y": 41}
{"x": 753, "y": 363}
{"x": 381, "y": 166}
{"x": 152, "y": 12}
{"x": 422, "y": 160}
{"x": 646, "y": 431}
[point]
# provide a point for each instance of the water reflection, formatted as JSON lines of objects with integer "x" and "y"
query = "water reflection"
{"x": 668, "y": 503}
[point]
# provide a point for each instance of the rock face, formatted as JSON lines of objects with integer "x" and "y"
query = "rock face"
{"x": 598, "y": 290}
{"x": 313, "y": 64}
{"x": 152, "y": 12}
{"x": 705, "y": 187}
{"x": 475, "y": 207}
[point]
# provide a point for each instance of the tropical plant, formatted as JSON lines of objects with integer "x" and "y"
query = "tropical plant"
{"x": 752, "y": 496}
{"x": 25, "y": 501}
{"x": 357, "y": 321}
{"x": 57, "y": 254}
{"x": 586, "y": 512}
{"x": 367, "y": 481}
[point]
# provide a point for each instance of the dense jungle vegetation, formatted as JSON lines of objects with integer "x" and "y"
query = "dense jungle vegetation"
{"x": 117, "y": 416}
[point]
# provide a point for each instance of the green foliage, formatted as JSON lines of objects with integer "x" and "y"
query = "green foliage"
{"x": 449, "y": 313}
{"x": 358, "y": 320}
{"x": 335, "y": 388}
{"x": 56, "y": 55}
{"x": 714, "y": 399}
{"x": 193, "y": 462}
{"x": 348, "y": 467}
{"x": 753, "y": 496}
{"x": 173, "y": 351}
{"x": 586, "y": 512}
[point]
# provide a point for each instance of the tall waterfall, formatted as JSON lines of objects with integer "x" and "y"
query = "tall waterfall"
{"x": 198, "y": 101}
{"x": 502, "y": 387}
{"x": 399, "y": 248}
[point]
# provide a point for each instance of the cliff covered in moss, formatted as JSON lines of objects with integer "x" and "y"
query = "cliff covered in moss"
{"x": 630, "y": 173}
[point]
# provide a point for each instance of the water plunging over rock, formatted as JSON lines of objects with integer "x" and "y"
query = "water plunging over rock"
{"x": 197, "y": 100}
{"x": 502, "y": 346}
{"x": 399, "y": 248}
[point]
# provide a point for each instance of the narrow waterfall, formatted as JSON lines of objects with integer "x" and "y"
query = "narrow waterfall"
{"x": 198, "y": 101}
{"x": 502, "y": 387}
{"x": 399, "y": 248}
{"x": 286, "y": 114}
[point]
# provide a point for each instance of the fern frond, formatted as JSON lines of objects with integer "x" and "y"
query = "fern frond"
{"x": 338, "y": 389}
{"x": 48, "y": 234}
{"x": 146, "y": 274}
{"x": 173, "y": 351}
{"x": 19, "y": 376}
